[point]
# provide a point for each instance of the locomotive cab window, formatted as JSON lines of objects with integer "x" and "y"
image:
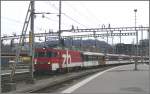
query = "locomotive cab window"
{"x": 45, "y": 54}
{"x": 40, "y": 54}
{"x": 85, "y": 58}
{"x": 51, "y": 54}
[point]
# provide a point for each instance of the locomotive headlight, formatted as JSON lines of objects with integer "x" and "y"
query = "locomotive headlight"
{"x": 35, "y": 61}
{"x": 49, "y": 62}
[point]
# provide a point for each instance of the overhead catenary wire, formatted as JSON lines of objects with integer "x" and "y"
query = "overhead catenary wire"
{"x": 38, "y": 28}
{"x": 86, "y": 17}
{"x": 90, "y": 13}
{"x": 12, "y": 20}
{"x": 75, "y": 20}
{"x": 17, "y": 21}
{"x": 56, "y": 21}
{"x": 44, "y": 16}
{"x": 20, "y": 23}
{"x": 76, "y": 11}
{"x": 53, "y": 5}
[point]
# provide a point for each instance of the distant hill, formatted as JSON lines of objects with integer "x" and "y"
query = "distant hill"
{"x": 101, "y": 45}
{"x": 89, "y": 44}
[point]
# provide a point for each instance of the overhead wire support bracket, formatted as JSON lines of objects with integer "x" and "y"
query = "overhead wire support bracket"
{"x": 55, "y": 34}
{"x": 106, "y": 29}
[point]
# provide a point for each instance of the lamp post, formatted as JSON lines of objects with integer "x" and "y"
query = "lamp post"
{"x": 149, "y": 57}
{"x": 135, "y": 10}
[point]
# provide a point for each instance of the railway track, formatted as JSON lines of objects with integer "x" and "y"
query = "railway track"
{"x": 57, "y": 81}
{"x": 19, "y": 77}
{"x": 74, "y": 77}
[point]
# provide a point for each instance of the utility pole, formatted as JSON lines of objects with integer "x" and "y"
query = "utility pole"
{"x": 72, "y": 43}
{"x": 112, "y": 42}
{"x": 59, "y": 32}
{"x": 45, "y": 40}
{"x": 136, "y": 61}
{"x": 81, "y": 43}
{"x": 107, "y": 36}
{"x": 31, "y": 40}
{"x": 141, "y": 46}
{"x": 149, "y": 58}
{"x": 105, "y": 49}
{"x": 120, "y": 47}
{"x": 107, "y": 43}
{"x": 95, "y": 38}
{"x": 120, "y": 37}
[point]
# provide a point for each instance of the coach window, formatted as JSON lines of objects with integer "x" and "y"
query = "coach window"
{"x": 86, "y": 58}
{"x": 90, "y": 57}
{"x": 96, "y": 57}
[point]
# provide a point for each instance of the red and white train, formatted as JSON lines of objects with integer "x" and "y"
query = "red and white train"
{"x": 50, "y": 59}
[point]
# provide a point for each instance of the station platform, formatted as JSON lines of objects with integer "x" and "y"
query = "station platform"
{"x": 119, "y": 80}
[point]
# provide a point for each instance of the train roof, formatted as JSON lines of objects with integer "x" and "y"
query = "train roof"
{"x": 102, "y": 54}
{"x": 112, "y": 54}
{"x": 93, "y": 53}
{"x": 122, "y": 55}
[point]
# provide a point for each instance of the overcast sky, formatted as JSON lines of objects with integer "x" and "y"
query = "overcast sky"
{"x": 81, "y": 14}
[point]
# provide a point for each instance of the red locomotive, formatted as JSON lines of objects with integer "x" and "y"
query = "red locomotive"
{"x": 50, "y": 59}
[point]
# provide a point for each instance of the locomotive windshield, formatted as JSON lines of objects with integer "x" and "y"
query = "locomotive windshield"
{"x": 45, "y": 54}
{"x": 39, "y": 54}
{"x": 51, "y": 54}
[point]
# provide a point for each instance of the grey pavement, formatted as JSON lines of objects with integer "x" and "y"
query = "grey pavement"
{"x": 121, "y": 80}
